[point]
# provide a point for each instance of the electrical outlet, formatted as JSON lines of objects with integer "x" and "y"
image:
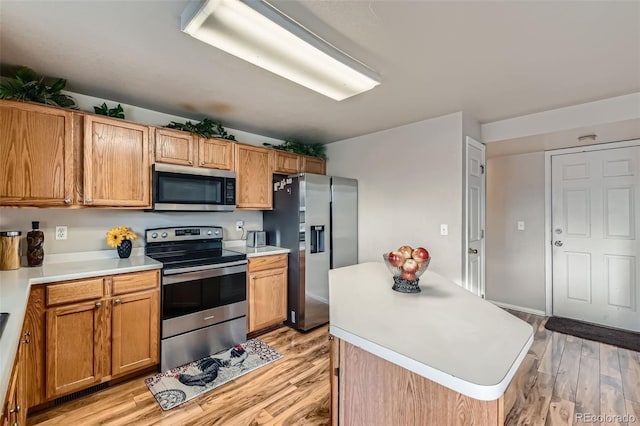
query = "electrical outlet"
{"x": 61, "y": 232}
{"x": 444, "y": 229}
{"x": 520, "y": 225}
{"x": 239, "y": 225}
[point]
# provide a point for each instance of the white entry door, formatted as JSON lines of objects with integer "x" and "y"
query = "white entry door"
{"x": 595, "y": 245}
{"x": 475, "y": 217}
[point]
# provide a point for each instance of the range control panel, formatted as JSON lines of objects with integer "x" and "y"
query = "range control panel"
{"x": 184, "y": 234}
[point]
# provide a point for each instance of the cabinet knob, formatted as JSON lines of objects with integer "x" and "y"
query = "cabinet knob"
{"x": 67, "y": 200}
{"x": 15, "y": 410}
{"x": 26, "y": 341}
{"x": 98, "y": 304}
{"x": 117, "y": 301}
{"x": 27, "y": 334}
{"x": 190, "y": 162}
{"x": 202, "y": 163}
{"x": 89, "y": 200}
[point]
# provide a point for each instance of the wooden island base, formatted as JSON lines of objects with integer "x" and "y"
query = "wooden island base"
{"x": 368, "y": 390}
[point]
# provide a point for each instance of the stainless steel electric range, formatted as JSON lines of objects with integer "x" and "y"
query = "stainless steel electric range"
{"x": 203, "y": 296}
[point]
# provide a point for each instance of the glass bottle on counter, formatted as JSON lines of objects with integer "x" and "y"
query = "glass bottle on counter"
{"x": 35, "y": 245}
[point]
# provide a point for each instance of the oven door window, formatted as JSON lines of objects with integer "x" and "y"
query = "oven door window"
{"x": 174, "y": 188}
{"x": 192, "y": 296}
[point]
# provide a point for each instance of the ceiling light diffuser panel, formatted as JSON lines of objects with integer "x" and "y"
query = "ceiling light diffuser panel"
{"x": 260, "y": 34}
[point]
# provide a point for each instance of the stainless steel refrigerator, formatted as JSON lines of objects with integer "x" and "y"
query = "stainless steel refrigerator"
{"x": 316, "y": 217}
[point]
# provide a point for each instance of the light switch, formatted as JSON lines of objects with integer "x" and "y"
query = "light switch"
{"x": 444, "y": 229}
{"x": 521, "y": 225}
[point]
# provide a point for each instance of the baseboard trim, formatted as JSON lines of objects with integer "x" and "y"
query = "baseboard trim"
{"x": 518, "y": 308}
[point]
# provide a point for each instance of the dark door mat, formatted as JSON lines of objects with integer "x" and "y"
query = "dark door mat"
{"x": 611, "y": 336}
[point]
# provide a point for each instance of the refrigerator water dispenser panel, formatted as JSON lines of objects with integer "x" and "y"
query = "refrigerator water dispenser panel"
{"x": 317, "y": 239}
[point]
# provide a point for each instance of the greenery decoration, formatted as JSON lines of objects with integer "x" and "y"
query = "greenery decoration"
{"x": 206, "y": 128}
{"x": 103, "y": 109}
{"x": 314, "y": 150}
{"x": 28, "y": 86}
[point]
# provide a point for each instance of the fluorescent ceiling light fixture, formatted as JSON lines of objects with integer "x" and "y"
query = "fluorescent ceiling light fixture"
{"x": 255, "y": 31}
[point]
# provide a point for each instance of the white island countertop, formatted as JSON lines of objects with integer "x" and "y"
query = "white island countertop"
{"x": 15, "y": 286}
{"x": 445, "y": 333}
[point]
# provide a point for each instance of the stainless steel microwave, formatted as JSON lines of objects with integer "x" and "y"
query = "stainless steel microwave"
{"x": 182, "y": 188}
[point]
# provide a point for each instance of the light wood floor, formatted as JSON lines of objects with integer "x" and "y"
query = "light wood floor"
{"x": 561, "y": 376}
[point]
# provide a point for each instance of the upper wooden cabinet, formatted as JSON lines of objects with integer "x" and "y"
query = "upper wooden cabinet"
{"x": 253, "y": 166}
{"x": 36, "y": 149}
{"x": 286, "y": 163}
{"x": 215, "y": 153}
{"x": 313, "y": 165}
{"x": 178, "y": 147}
{"x": 116, "y": 163}
{"x": 175, "y": 147}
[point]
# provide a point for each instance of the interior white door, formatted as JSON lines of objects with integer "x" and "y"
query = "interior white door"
{"x": 594, "y": 198}
{"x": 475, "y": 217}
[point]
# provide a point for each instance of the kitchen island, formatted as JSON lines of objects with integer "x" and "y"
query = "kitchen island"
{"x": 440, "y": 357}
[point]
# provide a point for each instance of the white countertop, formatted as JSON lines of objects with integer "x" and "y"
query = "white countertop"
{"x": 240, "y": 246}
{"x": 14, "y": 295}
{"x": 444, "y": 333}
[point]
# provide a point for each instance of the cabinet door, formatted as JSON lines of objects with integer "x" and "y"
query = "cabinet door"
{"x": 215, "y": 153}
{"x": 313, "y": 165}
{"x": 116, "y": 163}
{"x": 9, "y": 414}
{"x": 34, "y": 350}
{"x": 286, "y": 163}
{"x": 135, "y": 331}
{"x": 75, "y": 341}
{"x": 175, "y": 147}
{"x": 37, "y": 155}
{"x": 267, "y": 298}
{"x": 253, "y": 177}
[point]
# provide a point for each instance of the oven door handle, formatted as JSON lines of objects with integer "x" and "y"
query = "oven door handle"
{"x": 197, "y": 273}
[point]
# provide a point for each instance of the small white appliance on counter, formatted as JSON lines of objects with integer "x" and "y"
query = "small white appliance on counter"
{"x": 256, "y": 239}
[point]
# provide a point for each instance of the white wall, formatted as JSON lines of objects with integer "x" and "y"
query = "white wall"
{"x": 515, "y": 259}
{"x": 155, "y": 118}
{"x": 409, "y": 182}
{"x": 87, "y": 227}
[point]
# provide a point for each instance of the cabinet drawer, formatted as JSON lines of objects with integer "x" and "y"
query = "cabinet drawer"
{"x": 267, "y": 262}
{"x": 75, "y": 291}
{"x": 128, "y": 283}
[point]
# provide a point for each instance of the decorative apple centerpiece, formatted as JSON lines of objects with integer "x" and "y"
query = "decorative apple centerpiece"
{"x": 407, "y": 264}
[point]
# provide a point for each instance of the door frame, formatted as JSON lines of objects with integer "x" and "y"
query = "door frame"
{"x": 548, "y": 228}
{"x": 469, "y": 141}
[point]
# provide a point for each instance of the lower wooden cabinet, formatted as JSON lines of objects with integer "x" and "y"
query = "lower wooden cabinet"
{"x": 134, "y": 332}
{"x": 89, "y": 331}
{"x": 266, "y": 291}
{"x": 75, "y": 341}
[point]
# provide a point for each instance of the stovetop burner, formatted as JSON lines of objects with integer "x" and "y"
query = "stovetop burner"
{"x": 182, "y": 247}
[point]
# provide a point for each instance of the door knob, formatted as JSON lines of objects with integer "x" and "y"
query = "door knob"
{"x": 473, "y": 251}
{"x": 558, "y": 243}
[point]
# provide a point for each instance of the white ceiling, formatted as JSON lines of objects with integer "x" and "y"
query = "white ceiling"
{"x": 493, "y": 60}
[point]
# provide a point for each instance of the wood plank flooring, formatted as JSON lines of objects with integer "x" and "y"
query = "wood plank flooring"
{"x": 561, "y": 378}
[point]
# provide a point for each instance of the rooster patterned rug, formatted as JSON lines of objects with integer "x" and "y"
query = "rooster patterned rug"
{"x": 186, "y": 382}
